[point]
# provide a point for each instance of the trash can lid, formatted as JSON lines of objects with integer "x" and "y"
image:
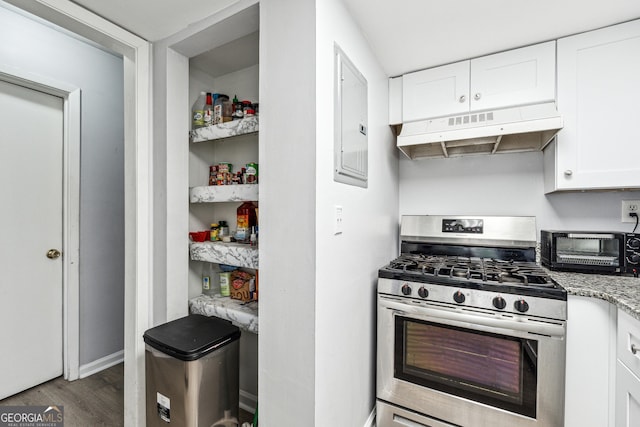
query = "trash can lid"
{"x": 191, "y": 337}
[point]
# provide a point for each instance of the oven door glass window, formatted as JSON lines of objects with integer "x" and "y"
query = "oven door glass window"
{"x": 496, "y": 370}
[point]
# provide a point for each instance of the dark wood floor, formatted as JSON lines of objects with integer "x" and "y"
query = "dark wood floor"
{"x": 97, "y": 400}
{"x": 93, "y": 401}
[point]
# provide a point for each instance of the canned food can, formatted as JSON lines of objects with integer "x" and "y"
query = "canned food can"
{"x": 252, "y": 173}
{"x": 225, "y": 167}
{"x": 213, "y": 173}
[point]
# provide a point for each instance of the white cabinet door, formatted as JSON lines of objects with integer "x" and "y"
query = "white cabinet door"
{"x": 591, "y": 356}
{"x": 627, "y": 397}
{"x": 627, "y": 371}
{"x": 516, "y": 77}
{"x": 598, "y": 93}
{"x": 628, "y": 344}
{"x": 440, "y": 91}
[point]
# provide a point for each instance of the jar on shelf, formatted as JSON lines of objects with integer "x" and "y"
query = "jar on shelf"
{"x": 215, "y": 228}
{"x": 223, "y": 231}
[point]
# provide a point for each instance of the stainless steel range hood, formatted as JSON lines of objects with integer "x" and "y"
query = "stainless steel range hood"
{"x": 523, "y": 128}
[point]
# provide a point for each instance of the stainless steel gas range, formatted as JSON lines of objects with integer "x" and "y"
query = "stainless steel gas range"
{"x": 471, "y": 331}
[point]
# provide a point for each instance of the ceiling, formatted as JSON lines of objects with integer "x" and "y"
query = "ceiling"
{"x": 154, "y": 19}
{"x": 406, "y": 35}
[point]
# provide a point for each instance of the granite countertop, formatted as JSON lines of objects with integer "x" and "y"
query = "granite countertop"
{"x": 243, "y": 315}
{"x": 623, "y": 291}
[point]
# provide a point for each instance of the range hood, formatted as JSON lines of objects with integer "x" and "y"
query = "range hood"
{"x": 515, "y": 129}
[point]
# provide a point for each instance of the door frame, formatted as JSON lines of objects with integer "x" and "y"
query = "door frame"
{"x": 70, "y": 207}
{"x": 138, "y": 180}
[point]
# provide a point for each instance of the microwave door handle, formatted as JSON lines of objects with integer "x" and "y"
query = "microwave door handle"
{"x": 541, "y": 328}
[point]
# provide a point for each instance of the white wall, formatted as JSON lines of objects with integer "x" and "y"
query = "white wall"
{"x": 286, "y": 360}
{"x": 41, "y": 50}
{"x": 504, "y": 184}
{"x": 347, "y": 264}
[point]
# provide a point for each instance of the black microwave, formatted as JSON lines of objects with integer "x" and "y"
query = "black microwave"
{"x": 589, "y": 251}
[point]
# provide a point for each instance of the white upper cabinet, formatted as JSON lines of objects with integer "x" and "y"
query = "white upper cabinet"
{"x": 436, "y": 92}
{"x": 598, "y": 92}
{"x": 515, "y": 77}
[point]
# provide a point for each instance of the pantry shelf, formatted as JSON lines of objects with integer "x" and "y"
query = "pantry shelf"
{"x": 236, "y": 254}
{"x": 242, "y": 314}
{"x": 230, "y": 129}
{"x": 224, "y": 193}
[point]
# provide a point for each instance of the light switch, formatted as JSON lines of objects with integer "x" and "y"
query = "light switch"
{"x": 337, "y": 225}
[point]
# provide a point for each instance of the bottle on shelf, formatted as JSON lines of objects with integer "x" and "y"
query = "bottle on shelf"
{"x": 206, "y": 278}
{"x": 246, "y": 218}
{"x": 197, "y": 111}
{"x": 210, "y": 279}
{"x": 237, "y": 108}
{"x": 225, "y": 283}
{"x": 208, "y": 111}
{"x": 253, "y": 239}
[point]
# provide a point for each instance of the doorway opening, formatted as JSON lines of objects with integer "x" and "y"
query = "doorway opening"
{"x": 138, "y": 218}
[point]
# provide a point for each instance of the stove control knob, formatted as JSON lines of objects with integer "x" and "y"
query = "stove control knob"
{"x": 633, "y": 259}
{"x": 423, "y": 292}
{"x": 459, "y": 297}
{"x": 406, "y": 289}
{"x": 634, "y": 243}
{"x": 521, "y": 305}
{"x": 499, "y": 303}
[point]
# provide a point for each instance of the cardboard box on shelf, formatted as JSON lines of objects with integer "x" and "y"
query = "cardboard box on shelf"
{"x": 243, "y": 286}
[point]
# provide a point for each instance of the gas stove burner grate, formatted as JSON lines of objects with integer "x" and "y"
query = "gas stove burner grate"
{"x": 472, "y": 268}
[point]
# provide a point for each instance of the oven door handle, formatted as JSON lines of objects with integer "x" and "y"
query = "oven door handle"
{"x": 548, "y": 328}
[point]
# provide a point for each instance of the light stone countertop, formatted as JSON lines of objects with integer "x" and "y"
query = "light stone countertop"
{"x": 243, "y": 315}
{"x": 623, "y": 291}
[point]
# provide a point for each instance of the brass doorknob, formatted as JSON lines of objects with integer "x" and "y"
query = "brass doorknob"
{"x": 53, "y": 253}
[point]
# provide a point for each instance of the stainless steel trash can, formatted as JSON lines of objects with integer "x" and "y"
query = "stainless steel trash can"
{"x": 192, "y": 374}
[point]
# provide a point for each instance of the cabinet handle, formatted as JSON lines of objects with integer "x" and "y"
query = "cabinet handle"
{"x": 477, "y": 96}
{"x": 634, "y": 349}
{"x": 568, "y": 172}
{"x": 462, "y": 99}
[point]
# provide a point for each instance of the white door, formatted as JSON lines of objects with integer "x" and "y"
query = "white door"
{"x": 31, "y": 177}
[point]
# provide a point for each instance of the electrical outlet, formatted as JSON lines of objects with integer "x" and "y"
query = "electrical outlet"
{"x": 629, "y": 206}
{"x": 337, "y": 225}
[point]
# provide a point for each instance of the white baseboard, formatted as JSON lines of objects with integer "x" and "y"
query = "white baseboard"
{"x": 371, "y": 421}
{"x": 248, "y": 401}
{"x": 101, "y": 364}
